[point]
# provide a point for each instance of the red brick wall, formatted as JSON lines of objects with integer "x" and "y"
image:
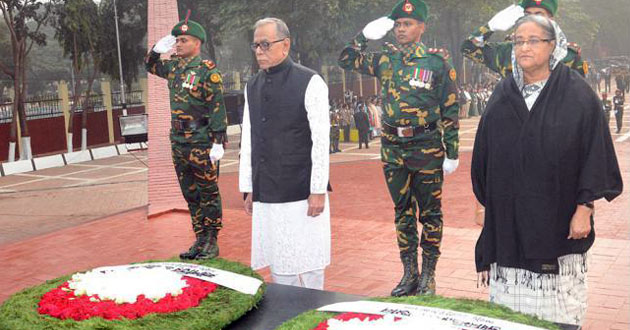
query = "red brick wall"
{"x": 164, "y": 192}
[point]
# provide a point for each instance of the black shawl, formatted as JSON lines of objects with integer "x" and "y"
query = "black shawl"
{"x": 530, "y": 169}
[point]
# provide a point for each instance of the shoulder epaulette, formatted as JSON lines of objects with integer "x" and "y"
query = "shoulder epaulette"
{"x": 209, "y": 64}
{"x": 391, "y": 48}
{"x": 440, "y": 52}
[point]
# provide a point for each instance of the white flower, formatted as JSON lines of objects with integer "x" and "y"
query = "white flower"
{"x": 124, "y": 285}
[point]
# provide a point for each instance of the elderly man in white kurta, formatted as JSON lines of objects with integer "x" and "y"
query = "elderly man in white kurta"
{"x": 284, "y": 162}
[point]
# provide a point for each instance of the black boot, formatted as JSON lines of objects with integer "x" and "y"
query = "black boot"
{"x": 193, "y": 250}
{"x": 409, "y": 282}
{"x": 209, "y": 246}
{"x": 427, "y": 277}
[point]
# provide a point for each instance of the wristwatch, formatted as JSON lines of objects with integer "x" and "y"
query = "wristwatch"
{"x": 590, "y": 205}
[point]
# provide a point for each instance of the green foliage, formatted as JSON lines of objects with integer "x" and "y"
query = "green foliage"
{"x": 611, "y": 34}
{"x": 132, "y": 26}
{"x": 310, "y": 320}
{"x": 219, "y": 309}
{"x": 321, "y": 28}
{"x": 78, "y": 27}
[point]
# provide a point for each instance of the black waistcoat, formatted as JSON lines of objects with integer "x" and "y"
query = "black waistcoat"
{"x": 280, "y": 133}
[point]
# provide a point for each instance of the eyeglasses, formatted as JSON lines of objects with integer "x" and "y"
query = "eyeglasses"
{"x": 264, "y": 46}
{"x": 531, "y": 42}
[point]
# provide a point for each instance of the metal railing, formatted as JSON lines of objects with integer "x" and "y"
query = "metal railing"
{"x": 36, "y": 107}
{"x": 94, "y": 103}
{"x": 132, "y": 98}
{"x": 47, "y": 106}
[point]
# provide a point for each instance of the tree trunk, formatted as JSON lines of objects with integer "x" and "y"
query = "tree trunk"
{"x": 11, "y": 157}
{"x": 212, "y": 52}
{"x": 25, "y": 151}
{"x": 14, "y": 120}
{"x": 87, "y": 106}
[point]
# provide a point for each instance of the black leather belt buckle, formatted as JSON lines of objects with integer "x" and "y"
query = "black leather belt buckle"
{"x": 181, "y": 125}
{"x": 177, "y": 125}
{"x": 405, "y": 131}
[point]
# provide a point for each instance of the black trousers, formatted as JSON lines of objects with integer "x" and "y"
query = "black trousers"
{"x": 346, "y": 133}
{"x": 363, "y": 137}
{"x": 619, "y": 118}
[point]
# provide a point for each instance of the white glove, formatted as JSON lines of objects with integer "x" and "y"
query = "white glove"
{"x": 450, "y": 165}
{"x": 505, "y": 19}
{"x": 216, "y": 153}
{"x": 378, "y": 28}
{"x": 165, "y": 44}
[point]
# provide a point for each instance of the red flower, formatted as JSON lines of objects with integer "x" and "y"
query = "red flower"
{"x": 64, "y": 304}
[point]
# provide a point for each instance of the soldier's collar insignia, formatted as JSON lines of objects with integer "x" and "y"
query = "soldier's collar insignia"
{"x": 408, "y": 7}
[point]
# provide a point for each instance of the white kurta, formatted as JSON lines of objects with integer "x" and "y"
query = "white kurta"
{"x": 283, "y": 236}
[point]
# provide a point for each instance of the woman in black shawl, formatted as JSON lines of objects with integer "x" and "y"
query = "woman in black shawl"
{"x": 543, "y": 154}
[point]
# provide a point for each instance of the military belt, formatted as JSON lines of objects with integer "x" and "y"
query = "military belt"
{"x": 409, "y": 131}
{"x": 181, "y": 125}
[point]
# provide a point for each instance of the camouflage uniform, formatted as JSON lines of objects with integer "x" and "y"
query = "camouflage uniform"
{"x": 335, "y": 119}
{"x": 413, "y": 165}
{"x": 497, "y": 56}
{"x": 196, "y": 94}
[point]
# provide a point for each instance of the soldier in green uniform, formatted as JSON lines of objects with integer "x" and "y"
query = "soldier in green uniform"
{"x": 497, "y": 56}
{"x": 198, "y": 129}
{"x": 335, "y": 133}
{"x": 420, "y": 132}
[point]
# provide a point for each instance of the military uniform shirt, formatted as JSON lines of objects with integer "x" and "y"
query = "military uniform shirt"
{"x": 417, "y": 87}
{"x": 196, "y": 92}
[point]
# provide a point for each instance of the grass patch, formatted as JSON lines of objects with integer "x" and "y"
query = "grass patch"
{"x": 216, "y": 311}
{"x": 311, "y": 319}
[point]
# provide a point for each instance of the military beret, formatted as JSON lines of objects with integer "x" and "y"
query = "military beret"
{"x": 416, "y": 9}
{"x": 189, "y": 28}
{"x": 550, "y": 5}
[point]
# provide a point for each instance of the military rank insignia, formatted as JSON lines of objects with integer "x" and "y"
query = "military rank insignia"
{"x": 421, "y": 78}
{"x": 191, "y": 81}
{"x": 215, "y": 78}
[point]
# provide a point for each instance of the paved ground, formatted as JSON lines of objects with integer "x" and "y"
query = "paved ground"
{"x": 49, "y": 227}
{"x": 43, "y": 201}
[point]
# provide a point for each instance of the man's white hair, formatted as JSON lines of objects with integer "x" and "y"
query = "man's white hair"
{"x": 282, "y": 30}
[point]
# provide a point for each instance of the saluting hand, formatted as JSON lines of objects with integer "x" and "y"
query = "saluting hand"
{"x": 505, "y": 19}
{"x": 165, "y": 44}
{"x": 378, "y": 28}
